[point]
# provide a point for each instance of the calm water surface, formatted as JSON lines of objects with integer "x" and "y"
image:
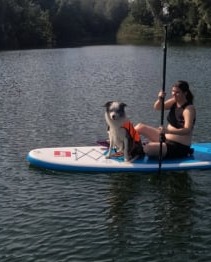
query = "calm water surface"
{"x": 56, "y": 98}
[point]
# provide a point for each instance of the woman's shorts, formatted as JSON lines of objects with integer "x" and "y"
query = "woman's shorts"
{"x": 177, "y": 150}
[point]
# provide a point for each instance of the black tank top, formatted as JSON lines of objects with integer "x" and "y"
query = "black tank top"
{"x": 175, "y": 115}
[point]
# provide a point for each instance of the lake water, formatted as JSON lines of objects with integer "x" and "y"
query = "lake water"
{"x": 55, "y": 97}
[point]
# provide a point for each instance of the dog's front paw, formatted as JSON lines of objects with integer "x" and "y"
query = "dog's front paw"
{"x": 108, "y": 156}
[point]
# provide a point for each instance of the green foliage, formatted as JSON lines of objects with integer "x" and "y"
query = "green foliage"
{"x": 67, "y": 21}
{"x": 141, "y": 13}
{"x": 130, "y": 31}
{"x": 44, "y": 23}
{"x": 23, "y": 24}
{"x": 185, "y": 17}
{"x": 37, "y": 23}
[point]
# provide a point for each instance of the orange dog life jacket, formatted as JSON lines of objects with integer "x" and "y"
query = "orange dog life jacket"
{"x": 131, "y": 130}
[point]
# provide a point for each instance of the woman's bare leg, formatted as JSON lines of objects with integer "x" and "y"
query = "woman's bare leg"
{"x": 152, "y": 148}
{"x": 149, "y": 132}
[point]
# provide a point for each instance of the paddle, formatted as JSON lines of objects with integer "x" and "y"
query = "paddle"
{"x": 163, "y": 98}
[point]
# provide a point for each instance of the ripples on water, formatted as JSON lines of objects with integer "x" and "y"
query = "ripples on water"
{"x": 56, "y": 98}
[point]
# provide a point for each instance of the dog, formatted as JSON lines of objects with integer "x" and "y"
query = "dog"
{"x": 122, "y": 135}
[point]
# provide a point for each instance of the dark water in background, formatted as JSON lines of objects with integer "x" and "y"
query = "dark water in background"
{"x": 56, "y": 98}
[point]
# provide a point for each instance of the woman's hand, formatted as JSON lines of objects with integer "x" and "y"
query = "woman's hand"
{"x": 162, "y": 129}
{"x": 161, "y": 95}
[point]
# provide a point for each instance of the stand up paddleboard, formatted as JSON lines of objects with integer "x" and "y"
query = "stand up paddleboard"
{"x": 93, "y": 159}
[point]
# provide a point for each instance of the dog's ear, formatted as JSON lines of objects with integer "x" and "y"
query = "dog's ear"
{"x": 123, "y": 105}
{"x": 108, "y": 103}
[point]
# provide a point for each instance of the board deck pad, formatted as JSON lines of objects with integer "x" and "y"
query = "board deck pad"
{"x": 93, "y": 159}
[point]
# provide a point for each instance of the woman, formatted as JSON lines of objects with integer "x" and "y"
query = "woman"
{"x": 178, "y": 133}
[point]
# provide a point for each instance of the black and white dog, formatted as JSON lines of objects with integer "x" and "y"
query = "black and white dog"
{"x": 122, "y": 135}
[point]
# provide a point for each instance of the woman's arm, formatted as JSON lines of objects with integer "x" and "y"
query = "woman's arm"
{"x": 167, "y": 104}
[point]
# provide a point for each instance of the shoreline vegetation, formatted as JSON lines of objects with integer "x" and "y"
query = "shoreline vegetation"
{"x": 137, "y": 34}
{"x": 27, "y": 24}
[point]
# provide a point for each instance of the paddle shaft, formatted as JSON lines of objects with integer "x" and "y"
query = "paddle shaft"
{"x": 163, "y": 98}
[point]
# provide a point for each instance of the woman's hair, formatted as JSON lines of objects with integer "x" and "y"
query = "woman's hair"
{"x": 184, "y": 87}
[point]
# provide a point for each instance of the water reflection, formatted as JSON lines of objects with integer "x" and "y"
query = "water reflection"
{"x": 174, "y": 212}
{"x": 156, "y": 212}
{"x": 121, "y": 217}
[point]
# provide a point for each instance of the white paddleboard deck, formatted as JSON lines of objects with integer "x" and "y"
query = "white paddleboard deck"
{"x": 93, "y": 159}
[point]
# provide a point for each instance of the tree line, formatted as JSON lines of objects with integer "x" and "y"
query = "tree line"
{"x": 47, "y": 23}
{"x": 185, "y": 17}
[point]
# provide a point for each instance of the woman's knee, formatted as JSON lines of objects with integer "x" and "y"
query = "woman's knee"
{"x": 140, "y": 128}
{"x": 143, "y": 129}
